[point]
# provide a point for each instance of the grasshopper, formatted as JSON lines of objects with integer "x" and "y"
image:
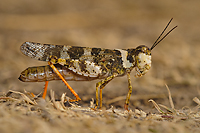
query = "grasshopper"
{"x": 73, "y": 63}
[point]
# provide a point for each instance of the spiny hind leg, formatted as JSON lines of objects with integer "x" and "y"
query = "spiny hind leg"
{"x": 63, "y": 79}
{"x": 129, "y": 91}
{"x": 45, "y": 89}
{"x": 101, "y": 85}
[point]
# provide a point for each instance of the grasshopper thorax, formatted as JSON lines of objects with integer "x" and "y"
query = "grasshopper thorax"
{"x": 142, "y": 60}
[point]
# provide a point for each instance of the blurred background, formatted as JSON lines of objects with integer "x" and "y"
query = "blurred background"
{"x": 107, "y": 24}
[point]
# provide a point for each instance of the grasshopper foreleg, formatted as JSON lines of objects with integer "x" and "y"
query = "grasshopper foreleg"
{"x": 129, "y": 91}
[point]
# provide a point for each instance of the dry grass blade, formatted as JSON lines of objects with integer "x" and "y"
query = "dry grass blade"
{"x": 165, "y": 107}
{"x": 28, "y": 100}
{"x": 92, "y": 105}
{"x": 32, "y": 95}
{"x": 196, "y": 100}
{"x": 63, "y": 100}
{"x": 57, "y": 105}
{"x": 8, "y": 98}
{"x": 119, "y": 98}
{"x": 170, "y": 97}
{"x": 156, "y": 106}
{"x": 135, "y": 97}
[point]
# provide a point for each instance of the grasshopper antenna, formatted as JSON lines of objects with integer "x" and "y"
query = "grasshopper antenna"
{"x": 157, "y": 40}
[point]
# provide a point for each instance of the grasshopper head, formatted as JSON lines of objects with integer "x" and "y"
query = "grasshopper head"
{"x": 143, "y": 60}
{"x": 143, "y": 54}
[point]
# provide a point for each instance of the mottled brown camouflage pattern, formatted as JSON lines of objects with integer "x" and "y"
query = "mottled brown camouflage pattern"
{"x": 85, "y": 63}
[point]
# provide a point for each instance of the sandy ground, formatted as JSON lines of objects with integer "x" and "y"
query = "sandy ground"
{"x": 105, "y": 24}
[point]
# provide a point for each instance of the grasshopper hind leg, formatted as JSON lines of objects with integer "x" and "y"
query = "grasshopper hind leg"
{"x": 63, "y": 79}
{"x": 45, "y": 90}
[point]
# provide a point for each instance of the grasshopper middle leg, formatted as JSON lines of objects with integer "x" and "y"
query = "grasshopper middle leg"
{"x": 101, "y": 85}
